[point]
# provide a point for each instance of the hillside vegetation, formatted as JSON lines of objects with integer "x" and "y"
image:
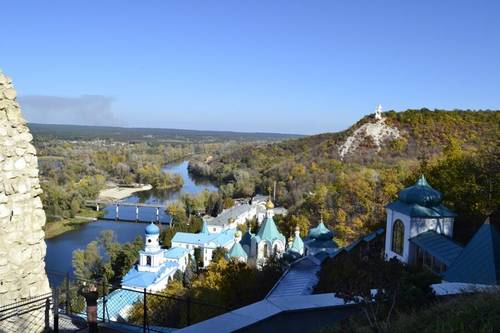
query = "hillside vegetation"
{"x": 457, "y": 150}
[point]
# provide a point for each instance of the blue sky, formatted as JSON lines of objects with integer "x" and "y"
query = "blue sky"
{"x": 272, "y": 66}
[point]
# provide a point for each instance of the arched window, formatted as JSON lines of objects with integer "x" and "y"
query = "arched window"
{"x": 398, "y": 233}
{"x": 148, "y": 260}
{"x": 265, "y": 250}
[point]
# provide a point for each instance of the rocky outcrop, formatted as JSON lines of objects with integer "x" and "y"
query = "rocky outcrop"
{"x": 22, "y": 245}
{"x": 378, "y": 132}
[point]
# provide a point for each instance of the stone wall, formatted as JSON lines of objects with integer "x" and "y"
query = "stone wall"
{"x": 22, "y": 245}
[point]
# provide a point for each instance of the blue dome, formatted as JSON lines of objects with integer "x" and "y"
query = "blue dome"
{"x": 421, "y": 194}
{"x": 152, "y": 229}
{"x": 320, "y": 232}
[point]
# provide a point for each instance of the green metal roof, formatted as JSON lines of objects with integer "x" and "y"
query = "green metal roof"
{"x": 421, "y": 200}
{"x": 479, "y": 261}
{"x": 268, "y": 231}
{"x": 320, "y": 232}
{"x": 297, "y": 245}
{"x": 237, "y": 251}
{"x": 421, "y": 194}
{"x": 204, "y": 229}
{"x": 437, "y": 245}
{"x": 415, "y": 210}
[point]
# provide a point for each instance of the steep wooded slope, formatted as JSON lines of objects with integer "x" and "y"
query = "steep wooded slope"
{"x": 313, "y": 177}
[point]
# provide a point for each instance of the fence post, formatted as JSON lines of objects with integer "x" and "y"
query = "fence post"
{"x": 188, "y": 304}
{"x": 67, "y": 303}
{"x": 104, "y": 301}
{"x": 47, "y": 314}
{"x": 55, "y": 308}
{"x": 145, "y": 316}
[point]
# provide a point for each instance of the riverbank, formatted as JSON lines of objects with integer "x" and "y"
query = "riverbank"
{"x": 62, "y": 225}
{"x": 119, "y": 193}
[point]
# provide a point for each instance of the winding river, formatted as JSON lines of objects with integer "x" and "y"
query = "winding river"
{"x": 60, "y": 249}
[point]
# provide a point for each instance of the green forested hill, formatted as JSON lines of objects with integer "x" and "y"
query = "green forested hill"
{"x": 453, "y": 148}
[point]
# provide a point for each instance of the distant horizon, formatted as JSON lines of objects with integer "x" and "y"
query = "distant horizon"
{"x": 266, "y": 66}
{"x": 171, "y": 128}
{"x": 257, "y": 132}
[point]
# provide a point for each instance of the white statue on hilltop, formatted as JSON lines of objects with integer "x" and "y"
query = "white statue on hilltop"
{"x": 378, "y": 112}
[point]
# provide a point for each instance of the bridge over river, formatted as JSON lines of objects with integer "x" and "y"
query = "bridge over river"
{"x": 98, "y": 204}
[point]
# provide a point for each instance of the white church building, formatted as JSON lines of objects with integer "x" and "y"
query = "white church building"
{"x": 157, "y": 266}
{"x": 419, "y": 233}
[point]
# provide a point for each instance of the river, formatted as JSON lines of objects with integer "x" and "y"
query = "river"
{"x": 60, "y": 249}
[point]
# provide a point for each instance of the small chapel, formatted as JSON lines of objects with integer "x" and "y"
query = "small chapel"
{"x": 156, "y": 266}
{"x": 419, "y": 231}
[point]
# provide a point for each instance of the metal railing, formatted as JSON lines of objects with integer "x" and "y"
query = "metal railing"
{"x": 27, "y": 315}
{"x": 117, "y": 305}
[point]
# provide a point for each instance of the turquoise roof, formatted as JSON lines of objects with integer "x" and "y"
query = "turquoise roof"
{"x": 201, "y": 239}
{"x": 437, "y": 245}
{"x": 176, "y": 252}
{"x": 152, "y": 229}
{"x": 320, "y": 232}
{"x": 116, "y": 301}
{"x": 322, "y": 244}
{"x": 137, "y": 279}
{"x": 268, "y": 231}
{"x": 297, "y": 245}
{"x": 479, "y": 262}
{"x": 420, "y": 200}
{"x": 204, "y": 228}
{"x": 237, "y": 251}
{"x": 421, "y": 194}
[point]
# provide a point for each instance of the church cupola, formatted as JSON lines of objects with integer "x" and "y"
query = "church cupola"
{"x": 421, "y": 194}
{"x": 151, "y": 258}
{"x": 152, "y": 234}
{"x": 418, "y": 209}
{"x": 297, "y": 244}
{"x": 269, "y": 208}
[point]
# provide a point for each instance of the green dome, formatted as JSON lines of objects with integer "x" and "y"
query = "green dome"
{"x": 421, "y": 194}
{"x": 320, "y": 232}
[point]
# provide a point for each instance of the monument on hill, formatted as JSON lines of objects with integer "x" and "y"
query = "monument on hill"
{"x": 22, "y": 244}
{"x": 378, "y": 112}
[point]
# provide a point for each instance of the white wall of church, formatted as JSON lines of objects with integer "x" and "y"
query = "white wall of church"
{"x": 392, "y": 217}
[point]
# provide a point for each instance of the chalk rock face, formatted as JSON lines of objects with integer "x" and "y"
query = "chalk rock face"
{"x": 378, "y": 132}
{"x": 22, "y": 245}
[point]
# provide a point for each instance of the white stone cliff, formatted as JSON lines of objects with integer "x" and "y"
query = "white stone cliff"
{"x": 22, "y": 245}
{"x": 378, "y": 131}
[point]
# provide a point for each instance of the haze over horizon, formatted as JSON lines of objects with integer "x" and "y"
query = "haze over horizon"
{"x": 280, "y": 66}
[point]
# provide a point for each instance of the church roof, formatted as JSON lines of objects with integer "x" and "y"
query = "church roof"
{"x": 269, "y": 204}
{"x": 237, "y": 251}
{"x": 420, "y": 200}
{"x": 227, "y": 215}
{"x": 176, "y": 252}
{"x": 202, "y": 239}
{"x": 321, "y": 244}
{"x": 421, "y": 194}
{"x": 268, "y": 231}
{"x": 479, "y": 261}
{"x": 247, "y": 238}
{"x": 204, "y": 228}
{"x": 297, "y": 244}
{"x": 137, "y": 279}
{"x": 320, "y": 232}
{"x": 152, "y": 229}
{"x": 438, "y": 245}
